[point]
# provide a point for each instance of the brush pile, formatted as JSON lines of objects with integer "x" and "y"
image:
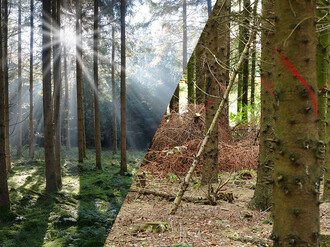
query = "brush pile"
{"x": 179, "y": 137}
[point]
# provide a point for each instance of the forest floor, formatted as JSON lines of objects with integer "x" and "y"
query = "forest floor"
{"x": 81, "y": 214}
{"x": 195, "y": 224}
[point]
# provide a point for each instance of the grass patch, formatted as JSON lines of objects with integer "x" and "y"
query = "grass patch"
{"x": 81, "y": 214}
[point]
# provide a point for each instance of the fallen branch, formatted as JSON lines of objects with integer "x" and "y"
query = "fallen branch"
{"x": 193, "y": 166}
{"x": 170, "y": 197}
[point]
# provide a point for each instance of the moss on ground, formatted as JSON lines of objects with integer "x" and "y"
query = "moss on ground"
{"x": 81, "y": 214}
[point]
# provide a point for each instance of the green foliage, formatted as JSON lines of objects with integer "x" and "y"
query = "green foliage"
{"x": 79, "y": 215}
{"x": 250, "y": 110}
{"x": 172, "y": 176}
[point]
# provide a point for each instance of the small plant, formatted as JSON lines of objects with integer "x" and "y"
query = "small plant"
{"x": 172, "y": 176}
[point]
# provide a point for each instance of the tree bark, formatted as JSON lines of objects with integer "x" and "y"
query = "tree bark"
{"x": 253, "y": 61}
{"x": 114, "y": 97}
{"x": 245, "y": 72}
{"x": 31, "y": 133}
{"x": 200, "y": 72}
{"x": 51, "y": 185}
{"x": 123, "y": 163}
{"x": 97, "y": 130}
{"x": 4, "y": 194}
{"x": 215, "y": 49}
{"x": 19, "y": 91}
{"x": 262, "y": 198}
{"x": 191, "y": 79}
{"x": 323, "y": 42}
{"x": 6, "y": 81}
{"x": 297, "y": 151}
{"x": 57, "y": 86}
{"x": 80, "y": 111}
{"x": 66, "y": 102}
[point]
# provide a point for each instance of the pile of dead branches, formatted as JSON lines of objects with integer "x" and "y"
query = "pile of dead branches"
{"x": 179, "y": 137}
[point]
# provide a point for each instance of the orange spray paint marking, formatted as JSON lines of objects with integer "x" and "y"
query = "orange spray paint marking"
{"x": 208, "y": 103}
{"x": 262, "y": 80}
{"x": 286, "y": 61}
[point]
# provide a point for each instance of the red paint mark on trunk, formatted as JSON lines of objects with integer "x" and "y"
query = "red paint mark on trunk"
{"x": 324, "y": 86}
{"x": 262, "y": 80}
{"x": 208, "y": 103}
{"x": 286, "y": 61}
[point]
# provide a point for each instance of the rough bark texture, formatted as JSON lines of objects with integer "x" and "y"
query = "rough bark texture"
{"x": 19, "y": 90}
{"x": 262, "y": 198}
{"x": 200, "y": 73}
{"x": 31, "y": 131}
{"x": 97, "y": 129}
{"x": 6, "y": 81}
{"x": 323, "y": 60}
{"x": 4, "y": 194}
{"x": 175, "y": 101}
{"x": 80, "y": 110}
{"x": 253, "y": 60}
{"x": 215, "y": 48}
{"x": 114, "y": 96}
{"x": 66, "y": 102}
{"x": 298, "y": 152}
{"x": 51, "y": 185}
{"x": 190, "y": 79}
{"x": 57, "y": 87}
{"x": 123, "y": 163}
{"x": 245, "y": 72}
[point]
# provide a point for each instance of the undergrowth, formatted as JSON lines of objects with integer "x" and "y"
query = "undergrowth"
{"x": 81, "y": 214}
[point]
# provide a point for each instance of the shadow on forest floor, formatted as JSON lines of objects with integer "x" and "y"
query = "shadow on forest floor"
{"x": 81, "y": 214}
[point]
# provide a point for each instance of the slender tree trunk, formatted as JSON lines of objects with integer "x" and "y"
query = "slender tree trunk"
{"x": 123, "y": 164}
{"x": 297, "y": 152}
{"x": 51, "y": 185}
{"x": 57, "y": 87}
{"x": 191, "y": 79}
{"x": 323, "y": 59}
{"x": 216, "y": 46}
{"x": 209, "y": 7}
{"x": 97, "y": 130}
{"x": 175, "y": 101}
{"x": 245, "y": 72}
{"x": 31, "y": 136}
{"x": 81, "y": 135}
{"x": 4, "y": 194}
{"x": 19, "y": 91}
{"x": 262, "y": 198}
{"x": 240, "y": 74}
{"x": 253, "y": 61}
{"x": 66, "y": 102}
{"x": 6, "y": 81}
{"x": 114, "y": 97}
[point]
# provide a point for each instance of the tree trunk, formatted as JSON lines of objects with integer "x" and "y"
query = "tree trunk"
{"x": 51, "y": 185}
{"x": 209, "y": 7}
{"x": 19, "y": 91}
{"x": 6, "y": 81}
{"x": 216, "y": 47}
{"x": 31, "y": 136}
{"x": 322, "y": 78}
{"x": 262, "y": 198}
{"x": 114, "y": 97}
{"x": 66, "y": 102}
{"x": 245, "y": 72}
{"x": 4, "y": 194}
{"x": 123, "y": 163}
{"x": 97, "y": 130}
{"x": 175, "y": 101}
{"x": 57, "y": 87}
{"x": 297, "y": 152}
{"x": 191, "y": 79}
{"x": 200, "y": 73}
{"x": 80, "y": 112}
{"x": 253, "y": 62}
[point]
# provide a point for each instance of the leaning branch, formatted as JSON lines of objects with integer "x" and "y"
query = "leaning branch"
{"x": 193, "y": 166}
